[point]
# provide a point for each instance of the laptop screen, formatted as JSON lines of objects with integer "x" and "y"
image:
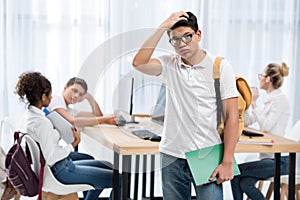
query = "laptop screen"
{"x": 158, "y": 114}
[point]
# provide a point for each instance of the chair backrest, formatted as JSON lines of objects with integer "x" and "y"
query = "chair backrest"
{"x": 50, "y": 183}
{"x": 294, "y": 133}
{"x": 7, "y": 129}
{"x": 3, "y": 174}
{"x": 35, "y": 154}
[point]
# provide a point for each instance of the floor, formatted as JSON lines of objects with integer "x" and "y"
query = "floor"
{"x": 226, "y": 189}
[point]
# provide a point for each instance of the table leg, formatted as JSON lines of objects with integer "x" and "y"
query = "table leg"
{"x": 144, "y": 176}
{"x": 292, "y": 164}
{"x": 152, "y": 177}
{"x": 126, "y": 163}
{"x": 116, "y": 177}
{"x": 277, "y": 177}
{"x": 136, "y": 177}
{"x": 129, "y": 177}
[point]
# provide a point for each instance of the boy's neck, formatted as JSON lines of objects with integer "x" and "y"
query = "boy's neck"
{"x": 196, "y": 59}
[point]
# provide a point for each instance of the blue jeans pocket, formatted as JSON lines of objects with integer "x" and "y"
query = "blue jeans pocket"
{"x": 62, "y": 168}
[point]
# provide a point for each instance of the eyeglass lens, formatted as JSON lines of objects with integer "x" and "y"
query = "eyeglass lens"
{"x": 175, "y": 41}
{"x": 261, "y": 75}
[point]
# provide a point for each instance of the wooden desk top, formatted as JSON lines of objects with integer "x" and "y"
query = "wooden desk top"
{"x": 280, "y": 145}
{"x": 123, "y": 142}
{"x": 120, "y": 141}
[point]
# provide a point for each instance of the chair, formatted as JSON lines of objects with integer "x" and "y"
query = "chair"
{"x": 52, "y": 188}
{"x": 293, "y": 134}
{"x": 7, "y": 128}
{"x": 6, "y": 125}
{"x": 284, "y": 181}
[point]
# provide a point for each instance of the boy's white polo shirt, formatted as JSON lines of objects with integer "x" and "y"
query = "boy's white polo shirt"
{"x": 190, "y": 121}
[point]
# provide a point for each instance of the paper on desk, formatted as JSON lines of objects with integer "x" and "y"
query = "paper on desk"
{"x": 203, "y": 162}
{"x": 255, "y": 140}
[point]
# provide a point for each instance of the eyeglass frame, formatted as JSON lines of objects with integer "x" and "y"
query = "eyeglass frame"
{"x": 180, "y": 39}
{"x": 261, "y": 75}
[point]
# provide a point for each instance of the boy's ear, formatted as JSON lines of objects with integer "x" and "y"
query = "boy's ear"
{"x": 199, "y": 34}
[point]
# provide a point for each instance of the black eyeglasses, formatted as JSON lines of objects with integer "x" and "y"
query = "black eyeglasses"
{"x": 260, "y": 76}
{"x": 187, "y": 38}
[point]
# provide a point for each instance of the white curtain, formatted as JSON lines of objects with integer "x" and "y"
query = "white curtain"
{"x": 97, "y": 39}
{"x": 59, "y": 37}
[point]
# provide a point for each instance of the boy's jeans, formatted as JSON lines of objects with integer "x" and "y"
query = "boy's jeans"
{"x": 177, "y": 179}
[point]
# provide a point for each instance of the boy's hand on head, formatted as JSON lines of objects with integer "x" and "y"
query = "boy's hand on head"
{"x": 173, "y": 18}
{"x": 86, "y": 96}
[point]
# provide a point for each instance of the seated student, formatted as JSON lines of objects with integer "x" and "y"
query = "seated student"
{"x": 272, "y": 117}
{"x": 76, "y": 91}
{"x": 34, "y": 89}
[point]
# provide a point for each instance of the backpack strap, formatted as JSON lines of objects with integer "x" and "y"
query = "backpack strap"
{"x": 17, "y": 137}
{"x": 43, "y": 162}
{"x": 216, "y": 76}
{"x": 216, "y": 69}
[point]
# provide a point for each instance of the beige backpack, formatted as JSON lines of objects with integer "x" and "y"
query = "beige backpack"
{"x": 244, "y": 98}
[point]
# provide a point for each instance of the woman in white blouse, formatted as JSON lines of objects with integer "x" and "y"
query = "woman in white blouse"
{"x": 35, "y": 89}
{"x": 272, "y": 117}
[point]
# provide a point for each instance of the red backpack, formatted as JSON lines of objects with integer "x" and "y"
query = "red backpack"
{"x": 19, "y": 171}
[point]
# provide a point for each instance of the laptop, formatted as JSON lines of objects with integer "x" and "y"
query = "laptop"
{"x": 158, "y": 116}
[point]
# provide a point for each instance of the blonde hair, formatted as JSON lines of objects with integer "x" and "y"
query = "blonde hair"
{"x": 276, "y": 73}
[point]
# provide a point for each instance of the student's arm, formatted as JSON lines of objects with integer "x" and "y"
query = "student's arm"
{"x": 142, "y": 60}
{"x": 96, "y": 111}
{"x": 86, "y": 121}
{"x": 77, "y": 139}
{"x": 224, "y": 171}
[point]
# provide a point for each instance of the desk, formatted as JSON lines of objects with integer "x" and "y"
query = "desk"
{"x": 125, "y": 144}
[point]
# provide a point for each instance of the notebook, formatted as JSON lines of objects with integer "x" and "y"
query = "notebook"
{"x": 203, "y": 162}
{"x": 144, "y": 134}
{"x": 147, "y": 135}
{"x": 63, "y": 126}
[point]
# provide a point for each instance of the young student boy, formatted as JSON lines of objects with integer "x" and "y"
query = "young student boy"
{"x": 75, "y": 91}
{"x": 190, "y": 121}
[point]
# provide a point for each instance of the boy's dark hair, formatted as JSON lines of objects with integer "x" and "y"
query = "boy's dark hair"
{"x": 78, "y": 81}
{"x": 190, "y": 22}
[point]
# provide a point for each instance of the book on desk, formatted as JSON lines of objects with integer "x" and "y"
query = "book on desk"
{"x": 255, "y": 140}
